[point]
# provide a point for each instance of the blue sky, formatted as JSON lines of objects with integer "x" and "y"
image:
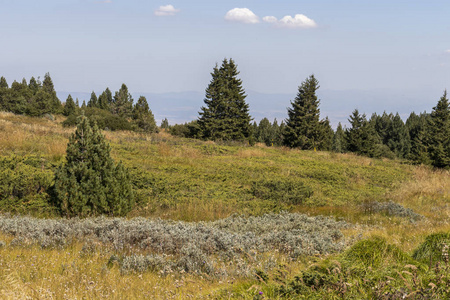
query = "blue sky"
{"x": 86, "y": 45}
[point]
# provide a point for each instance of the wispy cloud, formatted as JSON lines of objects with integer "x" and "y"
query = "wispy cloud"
{"x": 298, "y": 21}
{"x": 166, "y": 10}
{"x": 270, "y": 19}
{"x": 242, "y": 15}
{"x": 447, "y": 51}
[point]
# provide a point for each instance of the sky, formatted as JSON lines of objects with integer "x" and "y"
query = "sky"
{"x": 399, "y": 47}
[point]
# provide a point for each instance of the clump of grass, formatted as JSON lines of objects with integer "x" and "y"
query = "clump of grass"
{"x": 434, "y": 248}
{"x": 370, "y": 269}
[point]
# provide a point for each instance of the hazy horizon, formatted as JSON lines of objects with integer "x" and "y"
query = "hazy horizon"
{"x": 396, "y": 48}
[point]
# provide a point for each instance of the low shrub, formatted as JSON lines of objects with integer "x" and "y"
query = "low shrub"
{"x": 286, "y": 190}
{"x": 24, "y": 184}
{"x": 391, "y": 208}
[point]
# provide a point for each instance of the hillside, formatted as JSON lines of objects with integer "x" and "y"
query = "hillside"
{"x": 225, "y": 199}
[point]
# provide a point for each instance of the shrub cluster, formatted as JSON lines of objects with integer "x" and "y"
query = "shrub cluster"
{"x": 24, "y": 184}
{"x": 391, "y": 208}
{"x": 205, "y": 247}
{"x": 372, "y": 269}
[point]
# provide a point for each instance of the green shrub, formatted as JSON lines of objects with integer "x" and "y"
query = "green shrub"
{"x": 24, "y": 184}
{"x": 287, "y": 190}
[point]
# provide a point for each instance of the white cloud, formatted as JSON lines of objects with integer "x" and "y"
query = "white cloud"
{"x": 447, "y": 51}
{"x": 270, "y": 19}
{"x": 166, "y": 10}
{"x": 242, "y": 15}
{"x": 298, "y": 21}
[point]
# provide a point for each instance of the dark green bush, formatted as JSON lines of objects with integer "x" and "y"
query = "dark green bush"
{"x": 24, "y": 184}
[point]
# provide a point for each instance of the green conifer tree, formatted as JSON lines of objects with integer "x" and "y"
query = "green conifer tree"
{"x": 93, "y": 101}
{"x": 304, "y": 129}
{"x": 90, "y": 183}
{"x": 34, "y": 85}
{"x": 362, "y": 138}
{"x": 3, "y": 83}
{"x": 122, "y": 104}
{"x": 226, "y": 114}
{"x": 339, "y": 143}
{"x": 143, "y": 116}
{"x": 439, "y": 133}
{"x": 105, "y": 99}
{"x": 417, "y": 129}
{"x": 70, "y": 106}
{"x": 49, "y": 89}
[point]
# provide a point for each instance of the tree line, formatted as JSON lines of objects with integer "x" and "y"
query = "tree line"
{"x": 423, "y": 138}
{"x": 113, "y": 112}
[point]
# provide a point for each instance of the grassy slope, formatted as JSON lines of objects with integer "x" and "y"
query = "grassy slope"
{"x": 192, "y": 180}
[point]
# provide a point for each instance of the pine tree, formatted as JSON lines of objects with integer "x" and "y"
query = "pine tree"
{"x": 264, "y": 132}
{"x": 50, "y": 93}
{"x": 93, "y": 101}
{"x": 90, "y": 183}
{"x": 70, "y": 106}
{"x": 398, "y": 139}
{"x": 34, "y": 85}
{"x": 122, "y": 104}
{"x": 3, "y": 83}
{"x": 226, "y": 114}
{"x": 439, "y": 133}
{"x": 304, "y": 129}
{"x": 362, "y": 138}
{"x": 339, "y": 143}
{"x": 105, "y": 99}
{"x": 417, "y": 129}
{"x": 143, "y": 116}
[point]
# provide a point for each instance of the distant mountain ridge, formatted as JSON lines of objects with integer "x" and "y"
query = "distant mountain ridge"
{"x": 181, "y": 107}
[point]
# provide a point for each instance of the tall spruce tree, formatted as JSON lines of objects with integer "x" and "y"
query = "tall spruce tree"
{"x": 50, "y": 93}
{"x": 3, "y": 83}
{"x": 439, "y": 133}
{"x": 143, "y": 116}
{"x": 339, "y": 143}
{"x": 417, "y": 129}
{"x": 90, "y": 183}
{"x": 70, "y": 106}
{"x": 304, "y": 129}
{"x": 122, "y": 104}
{"x": 105, "y": 99}
{"x": 93, "y": 101}
{"x": 362, "y": 138}
{"x": 225, "y": 115}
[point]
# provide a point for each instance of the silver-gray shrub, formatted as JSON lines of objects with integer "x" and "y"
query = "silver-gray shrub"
{"x": 391, "y": 208}
{"x": 194, "y": 247}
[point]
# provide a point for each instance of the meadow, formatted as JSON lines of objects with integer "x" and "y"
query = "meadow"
{"x": 222, "y": 221}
